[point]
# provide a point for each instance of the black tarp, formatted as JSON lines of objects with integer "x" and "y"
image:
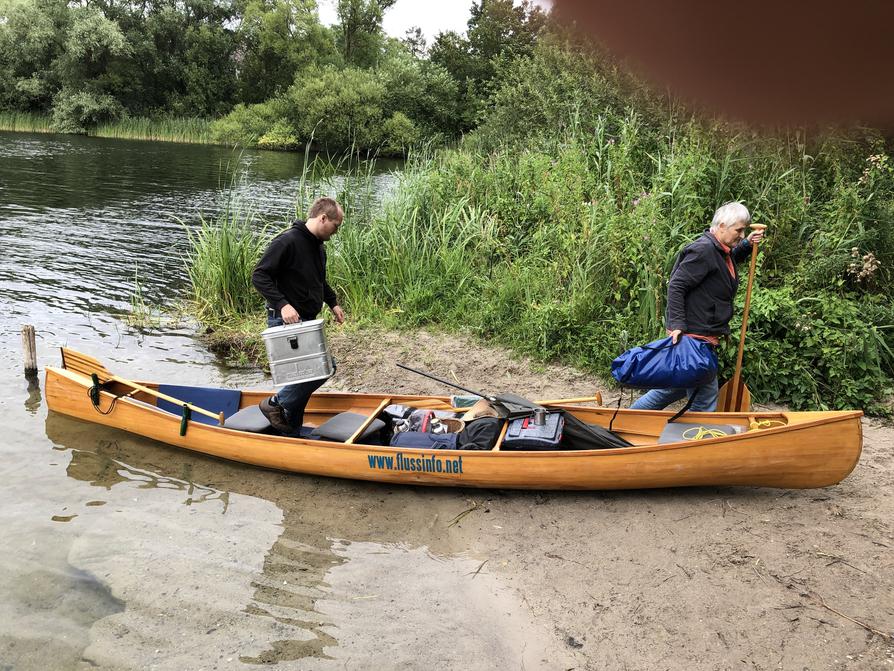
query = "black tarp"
{"x": 578, "y": 435}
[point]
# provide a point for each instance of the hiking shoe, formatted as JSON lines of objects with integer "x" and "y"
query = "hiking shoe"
{"x": 275, "y": 415}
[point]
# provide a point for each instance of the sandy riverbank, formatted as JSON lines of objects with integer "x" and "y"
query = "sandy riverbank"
{"x": 673, "y": 579}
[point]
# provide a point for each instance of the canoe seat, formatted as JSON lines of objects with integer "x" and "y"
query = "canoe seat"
{"x": 343, "y": 425}
{"x": 676, "y": 432}
{"x": 212, "y": 399}
{"x": 249, "y": 419}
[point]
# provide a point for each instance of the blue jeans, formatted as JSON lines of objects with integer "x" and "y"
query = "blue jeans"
{"x": 705, "y": 398}
{"x": 293, "y": 398}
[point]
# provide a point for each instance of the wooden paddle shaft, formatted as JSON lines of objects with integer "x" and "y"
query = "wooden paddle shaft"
{"x": 737, "y": 375}
{"x": 130, "y": 383}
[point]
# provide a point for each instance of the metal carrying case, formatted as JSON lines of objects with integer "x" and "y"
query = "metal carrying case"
{"x": 298, "y": 352}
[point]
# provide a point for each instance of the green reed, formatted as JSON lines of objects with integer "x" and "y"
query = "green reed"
{"x": 562, "y": 248}
{"x": 26, "y": 122}
{"x": 223, "y": 251}
{"x": 185, "y": 130}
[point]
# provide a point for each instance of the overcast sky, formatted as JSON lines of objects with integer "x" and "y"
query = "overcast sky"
{"x": 433, "y": 17}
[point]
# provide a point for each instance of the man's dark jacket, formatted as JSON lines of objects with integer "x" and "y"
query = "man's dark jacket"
{"x": 293, "y": 271}
{"x": 701, "y": 290}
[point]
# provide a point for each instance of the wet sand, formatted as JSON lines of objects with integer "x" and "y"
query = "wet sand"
{"x": 164, "y": 559}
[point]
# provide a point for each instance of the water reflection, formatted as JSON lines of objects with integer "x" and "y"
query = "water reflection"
{"x": 101, "y": 470}
{"x": 349, "y": 571}
{"x": 32, "y": 403}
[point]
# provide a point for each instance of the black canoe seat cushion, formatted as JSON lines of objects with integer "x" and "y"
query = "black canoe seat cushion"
{"x": 344, "y": 424}
{"x": 249, "y": 419}
{"x": 676, "y": 432}
{"x": 208, "y": 398}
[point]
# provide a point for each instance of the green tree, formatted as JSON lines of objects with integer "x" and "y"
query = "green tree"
{"x": 277, "y": 39}
{"x": 422, "y": 91}
{"x": 499, "y": 31}
{"x": 92, "y": 43}
{"x": 31, "y": 42}
{"x": 359, "y": 30}
{"x": 415, "y": 42}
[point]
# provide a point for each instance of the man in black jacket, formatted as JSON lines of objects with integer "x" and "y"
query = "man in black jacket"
{"x": 291, "y": 276}
{"x": 700, "y": 296}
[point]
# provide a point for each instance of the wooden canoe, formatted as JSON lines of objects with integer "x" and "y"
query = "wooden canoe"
{"x": 775, "y": 449}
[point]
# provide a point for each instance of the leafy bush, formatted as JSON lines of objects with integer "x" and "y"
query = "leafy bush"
{"x": 246, "y": 124}
{"x": 280, "y": 136}
{"x": 338, "y": 108}
{"x": 77, "y": 111}
{"x": 820, "y": 350}
{"x": 576, "y": 231}
{"x": 423, "y": 91}
{"x": 398, "y": 135}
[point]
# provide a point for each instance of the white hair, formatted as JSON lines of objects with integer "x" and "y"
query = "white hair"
{"x": 729, "y": 214}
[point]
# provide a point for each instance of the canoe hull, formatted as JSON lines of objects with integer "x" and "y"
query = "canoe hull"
{"x": 816, "y": 450}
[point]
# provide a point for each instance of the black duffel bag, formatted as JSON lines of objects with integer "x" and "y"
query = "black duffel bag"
{"x": 480, "y": 434}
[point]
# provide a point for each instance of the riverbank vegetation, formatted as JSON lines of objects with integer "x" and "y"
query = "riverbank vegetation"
{"x": 194, "y": 131}
{"x": 266, "y": 74}
{"x": 549, "y": 202}
{"x": 553, "y": 227}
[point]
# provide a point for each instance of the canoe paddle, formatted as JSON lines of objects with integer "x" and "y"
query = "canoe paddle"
{"x": 734, "y": 395}
{"x": 87, "y": 365}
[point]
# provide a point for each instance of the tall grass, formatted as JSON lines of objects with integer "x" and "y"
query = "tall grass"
{"x": 223, "y": 251}
{"x": 563, "y": 250}
{"x": 26, "y": 122}
{"x": 186, "y": 130}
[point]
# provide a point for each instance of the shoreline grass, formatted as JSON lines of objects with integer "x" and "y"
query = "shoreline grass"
{"x": 183, "y": 130}
{"x": 180, "y": 130}
{"x": 26, "y": 122}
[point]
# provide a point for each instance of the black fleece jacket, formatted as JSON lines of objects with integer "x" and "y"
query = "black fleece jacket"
{"x": 293, "y": 271}
{"x": 701, "y": 290}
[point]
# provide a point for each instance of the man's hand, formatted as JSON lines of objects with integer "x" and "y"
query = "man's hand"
{"x": 756, "y": 236}
{"x": 675, "y": 335}
{"x": 339, "y": 314}
{"x": 289, "y": 314}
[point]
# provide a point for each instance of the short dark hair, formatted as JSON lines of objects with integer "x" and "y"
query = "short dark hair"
{"x": 327, "y": 206}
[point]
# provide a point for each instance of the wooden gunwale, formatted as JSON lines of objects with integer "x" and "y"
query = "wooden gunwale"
{"x": 835, "y": 417}
{"x": 716, "y": 461}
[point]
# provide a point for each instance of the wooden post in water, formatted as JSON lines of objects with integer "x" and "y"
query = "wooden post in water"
{"x": 29, "y": 349}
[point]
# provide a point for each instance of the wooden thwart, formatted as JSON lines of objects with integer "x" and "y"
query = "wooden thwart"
{"x": 369, "y": 420}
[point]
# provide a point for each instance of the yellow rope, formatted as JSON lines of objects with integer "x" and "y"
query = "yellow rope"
{"x": 754, "y": 425}
{"x": 701, "y": 433}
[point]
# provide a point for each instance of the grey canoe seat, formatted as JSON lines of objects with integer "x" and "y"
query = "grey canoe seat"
{"x": 343, "y": 425}
{"x": 250, "y": 418}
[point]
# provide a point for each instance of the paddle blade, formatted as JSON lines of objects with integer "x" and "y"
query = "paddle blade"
{"x": 734, "y": 400}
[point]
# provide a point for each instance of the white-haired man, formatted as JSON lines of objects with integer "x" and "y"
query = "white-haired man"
{"x": 700, "y": 296}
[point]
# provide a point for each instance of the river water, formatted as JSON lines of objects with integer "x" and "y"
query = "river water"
{"x": 122, "y": 553}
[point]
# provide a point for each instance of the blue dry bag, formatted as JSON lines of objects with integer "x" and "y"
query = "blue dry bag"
{"x": 663, "y": 365}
